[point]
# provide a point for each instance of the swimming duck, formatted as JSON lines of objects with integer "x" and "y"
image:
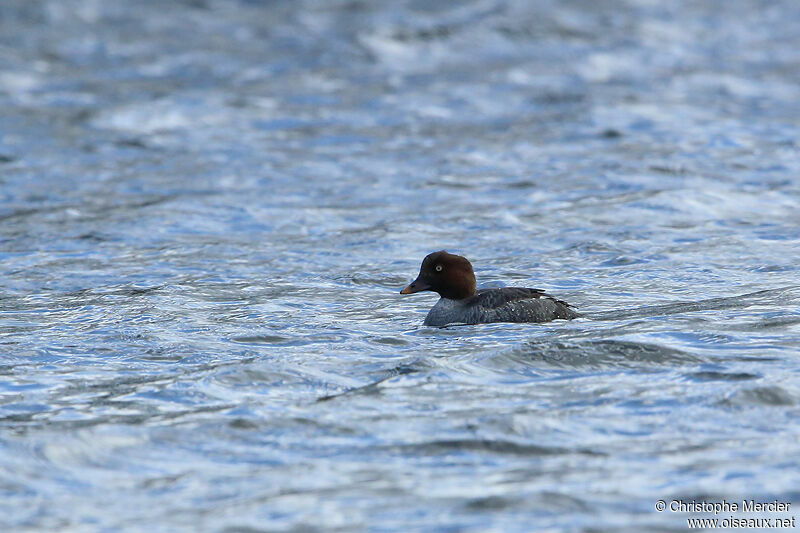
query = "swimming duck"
{"x": 451, "y": 276}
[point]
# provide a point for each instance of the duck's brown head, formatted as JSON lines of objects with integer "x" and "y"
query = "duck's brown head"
{"x": 449, "y": 275}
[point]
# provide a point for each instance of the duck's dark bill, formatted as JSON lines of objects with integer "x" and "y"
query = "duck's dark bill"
{"x": 416, "y": 286}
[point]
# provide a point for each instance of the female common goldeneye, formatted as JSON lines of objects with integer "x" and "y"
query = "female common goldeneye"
{"x": 452, "y": 277}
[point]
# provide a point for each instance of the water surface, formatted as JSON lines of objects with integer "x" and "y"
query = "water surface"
{"x": 207, "y": 209}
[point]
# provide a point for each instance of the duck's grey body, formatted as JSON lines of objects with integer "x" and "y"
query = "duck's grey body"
{"x": 509, "y": 304}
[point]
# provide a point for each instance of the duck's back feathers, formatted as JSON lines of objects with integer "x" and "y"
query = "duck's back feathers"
{"x": 508, "y": 304}
{"x": 493, "y": 298}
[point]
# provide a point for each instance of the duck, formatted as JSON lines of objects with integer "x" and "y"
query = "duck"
{"x": 452, "y": 277}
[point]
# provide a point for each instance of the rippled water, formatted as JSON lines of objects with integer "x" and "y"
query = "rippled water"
{"x": 207, "y": 209}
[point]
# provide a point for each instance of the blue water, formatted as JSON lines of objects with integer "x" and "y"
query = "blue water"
{"x": 208, "y": 207}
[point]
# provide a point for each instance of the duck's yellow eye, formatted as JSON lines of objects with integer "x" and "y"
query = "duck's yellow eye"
{"x": 438, "y": 268}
